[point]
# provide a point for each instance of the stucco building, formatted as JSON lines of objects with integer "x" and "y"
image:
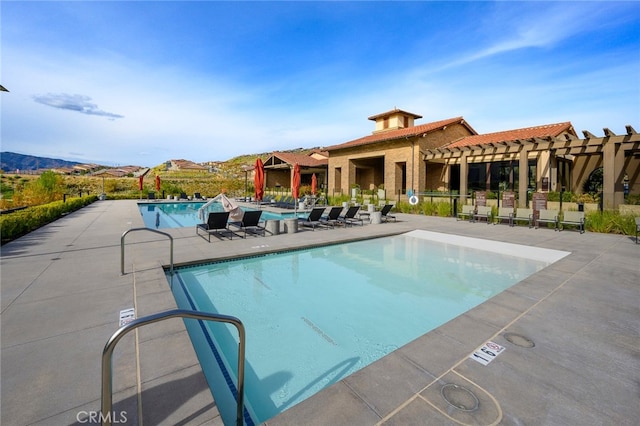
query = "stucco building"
{"x": 279, "y": 169}
{"x": 391, "y": 156}
{"x": 449, "y": 155}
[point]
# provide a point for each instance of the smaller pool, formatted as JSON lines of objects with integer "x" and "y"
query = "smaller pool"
{"x": 183, "y": 214}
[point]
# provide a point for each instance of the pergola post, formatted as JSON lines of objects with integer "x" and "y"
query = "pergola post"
{"x": 523, "y": 177}
{"x": 464, "y": 177}
{"x": 613, "y": 171}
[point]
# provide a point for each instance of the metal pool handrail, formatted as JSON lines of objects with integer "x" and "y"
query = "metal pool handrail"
{"x": 144, "y": 229}
{"x": 107, "y": 352}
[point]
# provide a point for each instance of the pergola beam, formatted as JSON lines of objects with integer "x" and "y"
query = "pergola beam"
{"x": 565, "y": 144}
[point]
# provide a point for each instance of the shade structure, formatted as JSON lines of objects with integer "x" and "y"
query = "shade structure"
{"x": 140, "y": 182}
{"x": 258, "y": 179}
{"x": 295, "y": 184}
{"x": 314, "y": 184}
{"x": 157, "y": 183}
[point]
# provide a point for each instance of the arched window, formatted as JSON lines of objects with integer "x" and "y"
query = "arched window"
{"x": 593, "y": 184}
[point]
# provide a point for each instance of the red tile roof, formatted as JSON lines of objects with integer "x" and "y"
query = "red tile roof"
{"x": 302, "y": 159}
{"x": 401, "y": 133}
{"x": 392, "y": 112}
{"x": 543, "y": 131}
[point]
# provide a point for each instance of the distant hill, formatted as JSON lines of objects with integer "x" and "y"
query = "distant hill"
{"x": 10, "y": 161}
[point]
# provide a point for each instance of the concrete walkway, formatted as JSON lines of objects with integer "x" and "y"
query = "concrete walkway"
{"x": 62, "y": 293}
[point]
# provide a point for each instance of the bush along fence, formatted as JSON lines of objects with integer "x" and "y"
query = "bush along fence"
{"x": 21, "y": 222}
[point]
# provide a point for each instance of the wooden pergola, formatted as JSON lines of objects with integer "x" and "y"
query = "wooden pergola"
{"x": 617, "y": 152}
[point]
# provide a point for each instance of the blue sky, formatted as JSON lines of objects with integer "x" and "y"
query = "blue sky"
{"x": 143, "y": 82}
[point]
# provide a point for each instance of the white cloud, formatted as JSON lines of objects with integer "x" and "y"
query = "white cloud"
{"x": 78, "y": 103}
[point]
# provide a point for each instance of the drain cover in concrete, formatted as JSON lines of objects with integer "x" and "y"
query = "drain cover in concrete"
{"x": 459, "y": 397}
{"x": 519, "y": 340}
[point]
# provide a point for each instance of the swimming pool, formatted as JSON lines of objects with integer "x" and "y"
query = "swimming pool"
{"x": 183, "y": 214}
{"x": 315, "y": 316}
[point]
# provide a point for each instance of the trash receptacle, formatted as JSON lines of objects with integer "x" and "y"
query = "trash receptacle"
{"x": 376, "y": 218}
{"x": 272, "y": 226}
{"x": 291, "y": 226}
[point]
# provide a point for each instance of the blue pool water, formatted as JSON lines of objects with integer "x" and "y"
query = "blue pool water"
{"x": 182, "y": 214}
{"x": 315, "y": 316}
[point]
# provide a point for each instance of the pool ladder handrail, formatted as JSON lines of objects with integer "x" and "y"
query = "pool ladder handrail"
{"x": 107, "y": 390}
{"x": 145, "y": 229}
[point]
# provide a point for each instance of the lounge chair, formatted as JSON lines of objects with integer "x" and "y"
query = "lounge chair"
{"x": 504, "y": 213}
{"x": 350, "y": 218}
{"x": 217, "y": 223}
{"x": 286, "y": 202}
{"x": 313, "y": 220}
{"x": 196, "y": 196}
{"x": 523, "y": 214}
{"x": 267, "y": 199}
{"x": 482, "y": 212}
{"x": 151, "y": 196}
{"x": 365, "y": 214}
{"x": 573, "y": 218}
{"x": 250, "y": 223}
{"x": 467, "y": 211}
{"x": 548, "y": 216}
{"x": 332, "y": 217}
{"x": 183, "y": 195}
{"x": 385, "y": 213}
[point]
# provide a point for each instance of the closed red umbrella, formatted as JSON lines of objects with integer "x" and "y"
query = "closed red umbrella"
{"x": 314, "y": 184}
{"x": 296, "y": 181}
{"x": 157, "y": 183}
{"x": 258, "y": 179}
{"x": 140, "y": 182}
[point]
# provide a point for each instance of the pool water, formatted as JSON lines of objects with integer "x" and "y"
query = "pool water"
{"x": 183, "y": 214}
{"x": 315, "y": 316}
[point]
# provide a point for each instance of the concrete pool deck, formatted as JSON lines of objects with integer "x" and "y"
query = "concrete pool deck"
{"x": 62, "y": 292}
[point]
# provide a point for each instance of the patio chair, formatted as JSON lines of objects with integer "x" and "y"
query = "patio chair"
{"x": 547, "y": 216}
{"x": 250, "y": 223}
{"x": 467, "y": 211}
{"x": 332, "y": 217}
{"x": 522, "y": 215}
{"x": 350, "y": 218}
{"x": 482, "y": 212}
{"x": 313, "y": 220}
{"x": 385, "y": 213}
{"x": 217, "y": 223}
{"x": 504, "y": 213}
{"x": 573, "y": 218}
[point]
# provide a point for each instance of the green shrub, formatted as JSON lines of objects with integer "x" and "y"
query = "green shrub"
{"x": 567, "y": 196}
{"x": 444, "y": 209}
{"x": 610, "y": 222}
{"x": 337, "y": 200}
{"x": 633, "y": 199}
{"x": 427, "y": 208}
{"x": 21, "y": 222}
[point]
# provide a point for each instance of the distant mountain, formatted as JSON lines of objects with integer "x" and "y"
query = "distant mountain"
{"x": 10, "y": 161}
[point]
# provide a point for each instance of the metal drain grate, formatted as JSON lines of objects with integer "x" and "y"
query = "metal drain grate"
{"x": 519, "y": 340}
{"x": 459, "y": 397}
